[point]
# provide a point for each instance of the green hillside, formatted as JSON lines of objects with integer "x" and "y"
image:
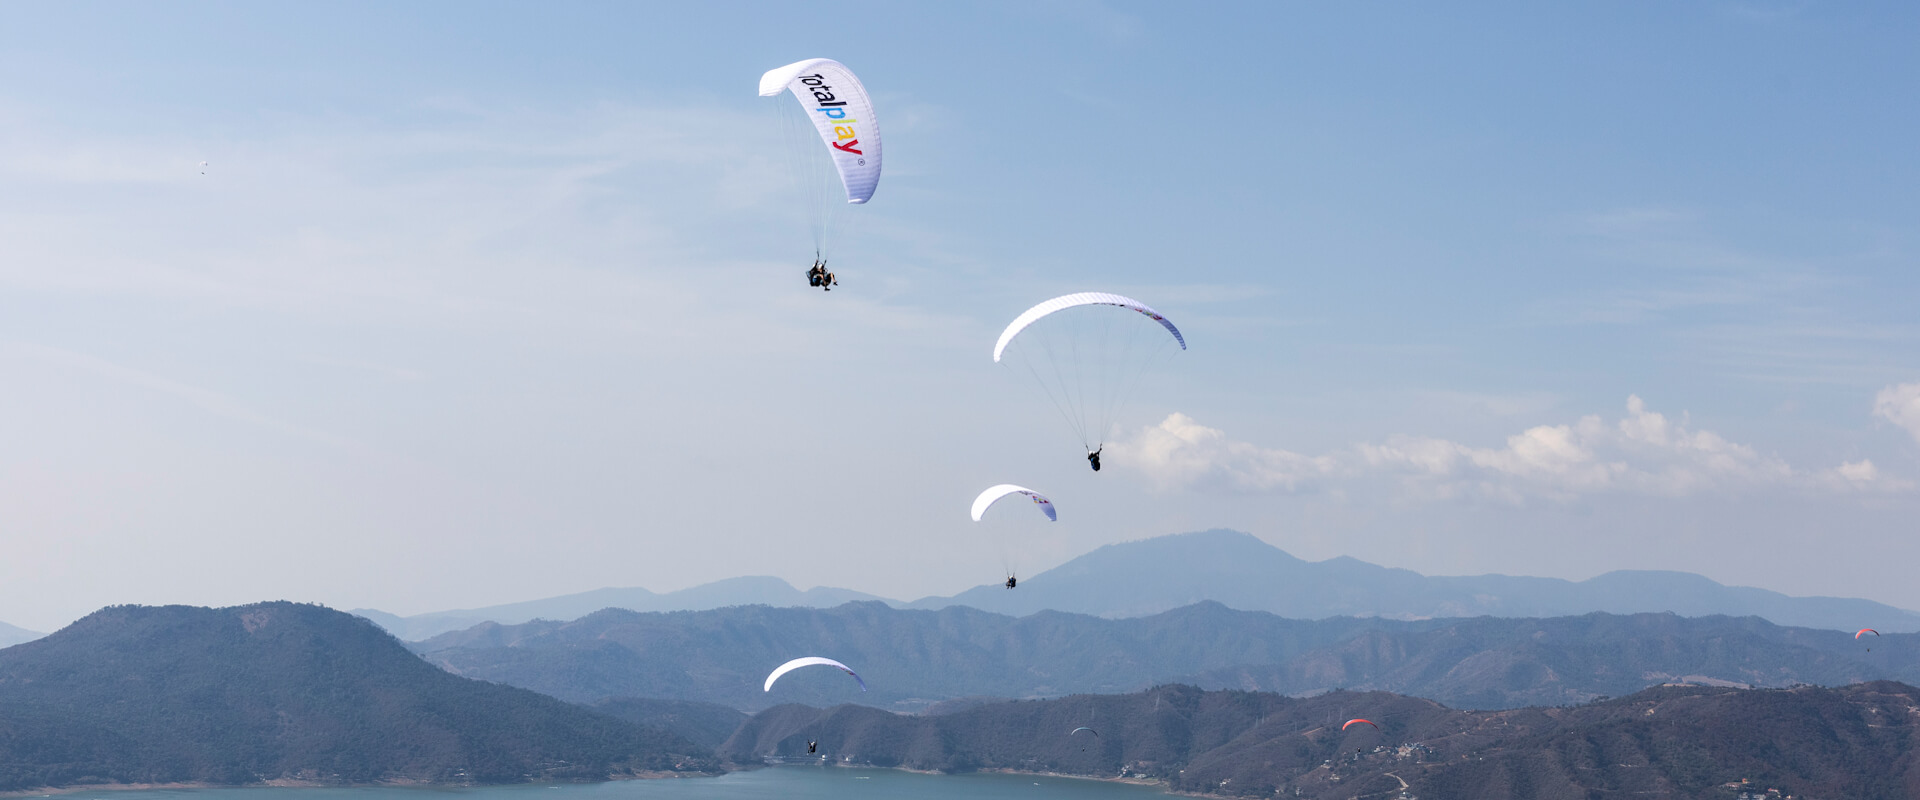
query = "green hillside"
{"x": 1856, "y": 742}
{"x": 283, "y": 691}
{"x": 913, "y": 659}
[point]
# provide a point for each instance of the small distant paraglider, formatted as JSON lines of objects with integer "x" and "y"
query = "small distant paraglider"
{"x": 993, "y": 494}
{"x": 1083, "y": 746}
{"x": 1353, "y": 722}
{"x": 203, "y": 167}
{"x": 808, "y": 662}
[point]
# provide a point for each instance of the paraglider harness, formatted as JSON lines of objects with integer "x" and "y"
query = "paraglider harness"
{"x": 1011, "y": 581}
{"x": 1094, "y": 458}
{"x": 812, "y": 745}
{"x": 819, "y": 276}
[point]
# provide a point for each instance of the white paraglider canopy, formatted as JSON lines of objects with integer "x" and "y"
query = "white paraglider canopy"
{"x": 993, "y": 494}
{"x": 810, "y": 661}
{"x": 842, "y": 115}
{"x": 1063, "y": 302}
{"x": 1086, "y": 357}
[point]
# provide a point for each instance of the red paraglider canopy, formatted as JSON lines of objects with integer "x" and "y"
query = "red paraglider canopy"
{"x": 1865, "y": 631}
{"x": 1353, "y": 722}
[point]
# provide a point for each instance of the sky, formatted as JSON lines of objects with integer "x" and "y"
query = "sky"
{"x": 475, "y": 303}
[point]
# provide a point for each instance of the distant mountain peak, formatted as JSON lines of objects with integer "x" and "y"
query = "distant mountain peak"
{"x": 745, "y": 590}
{"x": 10, "y": 635}
{"x": 1241, "y": 571}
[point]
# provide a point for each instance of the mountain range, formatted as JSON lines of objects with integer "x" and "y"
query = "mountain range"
{"x": 290, "y": 693}
{"x": 1854, "y": 742}
{"x": 10, "y": 635}
{"x": 1151, "y": 576}
{"x": 1241, "y": 571}
{"x": 912, "y": 659}
{"x": 747, "y": 591}
{"x": 287, "y": 692}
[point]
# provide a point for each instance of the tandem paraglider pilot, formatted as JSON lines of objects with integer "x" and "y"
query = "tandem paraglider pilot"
{"x": 819, "y": 276}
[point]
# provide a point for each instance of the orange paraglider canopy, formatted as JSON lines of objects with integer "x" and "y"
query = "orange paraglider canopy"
{"x": 1865, "y": 631}
{"x": 1353, "y": 722}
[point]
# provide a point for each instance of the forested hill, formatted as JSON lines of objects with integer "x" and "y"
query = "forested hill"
{"x": 704, "y": 724}
{"x": 275, "y": 691}
{"x": 911, "y": 659}
{"x": 1852, "y": 743}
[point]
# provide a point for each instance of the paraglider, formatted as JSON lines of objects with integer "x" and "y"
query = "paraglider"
{"x": 994, "y": 493}
{"x": 1353, "y": 722}
{"x": 1032, "y": 315}
{"x": 812, "y": 745}
{"x": 203, "y": 167}
{"x": 810, "y": 661}
{"x": 1086, "y": 357}
{"x": 1083, "y": 746}
{"x": 832, "y": 139}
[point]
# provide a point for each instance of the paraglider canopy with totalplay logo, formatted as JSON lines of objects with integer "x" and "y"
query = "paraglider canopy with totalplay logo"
{"x": 830, "y": 140}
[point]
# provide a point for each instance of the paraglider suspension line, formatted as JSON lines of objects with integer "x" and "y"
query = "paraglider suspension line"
{"x": 1047, "y": 388}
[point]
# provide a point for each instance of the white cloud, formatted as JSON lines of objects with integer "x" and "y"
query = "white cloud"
{"x": 1181, "y": 452}
{"x": 1862, "y": 470}
{"x": 1900, "y": 405}
{"x": 1643, "y": 453}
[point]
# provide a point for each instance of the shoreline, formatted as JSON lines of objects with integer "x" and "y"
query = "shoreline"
{"x": 1154, "y": 782}
{"x": 1148, "y": 782}
{"x": 288, "y": 783}
{"x": 57, "y": 791}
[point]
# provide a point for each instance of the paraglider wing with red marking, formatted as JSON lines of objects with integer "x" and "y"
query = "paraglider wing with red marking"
{"x": 993, "y": 495}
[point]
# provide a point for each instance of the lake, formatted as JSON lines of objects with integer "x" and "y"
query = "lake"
{"x": 786, "y": 783}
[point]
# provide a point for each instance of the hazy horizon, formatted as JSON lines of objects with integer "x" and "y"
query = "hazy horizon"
{"x": 473, "y": 305}
{"x": 910, "y": 600}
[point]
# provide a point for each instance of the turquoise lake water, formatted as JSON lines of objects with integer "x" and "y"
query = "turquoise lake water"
{"x": 793, "y": 783}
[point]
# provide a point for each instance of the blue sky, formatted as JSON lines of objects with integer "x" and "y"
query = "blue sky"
{"x": 483, "y": 302}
